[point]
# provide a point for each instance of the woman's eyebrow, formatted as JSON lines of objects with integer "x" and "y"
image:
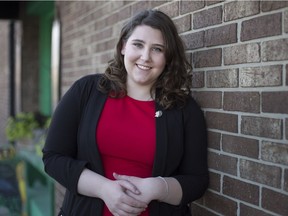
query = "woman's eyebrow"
{"x": 142, "y": 41}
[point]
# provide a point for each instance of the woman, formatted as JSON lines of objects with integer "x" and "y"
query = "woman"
{"x": 131, "y": 141}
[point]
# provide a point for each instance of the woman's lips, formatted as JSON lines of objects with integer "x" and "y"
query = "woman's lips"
{"x": 143, "y": 67}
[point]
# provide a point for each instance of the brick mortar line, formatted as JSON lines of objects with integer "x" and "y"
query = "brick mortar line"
{"x": 239, "y": 122}
{"x": 88, "y": 33}
{"x": 207, "y": 7}
{"x": 83, "y": 67}
{"x": 73, "y": 41}
{"x": 235, "y": 21}
{"x": 260, "y": 14}
{"x": 277, "y": 190}
{"x": 166, "y": 4}
{"x": 261, "y": 187}
{"x": 283, "y": 178}
{"x": 222, "y": 174}
{"x": 207, "y": 209}
{"x": 112, "y": 12}
{"x": 80, "y": 58}
{"x": 260, "y": 139}
{"x": 259, "y": 161}
{"x": 244, "y": 90}
{"x": 238, "y": 43}
{"x": 238, "y": 21}
{"x": 285, "y": 74}
{"x": 91, "y": 11}
{"x": 91, "y": 56}
{"x": 257, "y": 40}
{"x": 95, "y": 54}
{"x": 283, "y": 21}
{"x": 262, "y": 209}
{"x": 238, "y": 201}
{"x": 238, "y": 177}
{"x": 249, "y": 114}
{"x": 243, "y": 65}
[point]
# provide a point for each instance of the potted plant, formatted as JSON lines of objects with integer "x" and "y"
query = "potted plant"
{"x": 21, "y": 128}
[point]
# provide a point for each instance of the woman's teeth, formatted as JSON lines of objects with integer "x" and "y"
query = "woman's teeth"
{"x": 143, "y": 67}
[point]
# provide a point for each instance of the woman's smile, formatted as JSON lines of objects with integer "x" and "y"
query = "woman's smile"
{"x": 143, "y": 67}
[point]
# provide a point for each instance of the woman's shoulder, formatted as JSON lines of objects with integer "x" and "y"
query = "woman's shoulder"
{"x": 192, "y": 106}
{"x": 91, "y": 78}
{"x": 88, "y": 81}
{"x": 86, "y": 84}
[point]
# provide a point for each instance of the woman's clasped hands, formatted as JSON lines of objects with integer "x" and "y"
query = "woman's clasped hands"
{"x": 129, "y": 195}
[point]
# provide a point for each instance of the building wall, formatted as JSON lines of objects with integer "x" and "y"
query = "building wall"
{"x": 26, "y": 66}
{"x": 239, "y": 51}
{"x": 4, "y": 77}
{"x": 5, "y": 26}
{"x": 30, "y": 63}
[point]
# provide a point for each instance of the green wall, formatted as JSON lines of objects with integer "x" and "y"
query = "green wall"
{"x": 44, "y": 10}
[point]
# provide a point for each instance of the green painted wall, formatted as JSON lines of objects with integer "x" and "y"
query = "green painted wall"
{"x": 45, "y": 65}
{"x": 44, "y": 10}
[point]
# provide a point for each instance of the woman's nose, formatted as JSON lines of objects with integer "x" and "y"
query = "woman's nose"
{"x": 145, "y": 55}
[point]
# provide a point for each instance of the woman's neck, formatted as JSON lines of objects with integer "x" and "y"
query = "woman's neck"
{"x": 142, "y": 94}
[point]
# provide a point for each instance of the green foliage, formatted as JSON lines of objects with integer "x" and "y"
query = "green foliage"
{"x": 39, "y": 144}
{"x": 47, "y": 123}
{"x": 21, "y": 126}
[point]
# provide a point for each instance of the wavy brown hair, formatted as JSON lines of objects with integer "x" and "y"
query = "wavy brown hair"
{"x": 173, "y": 86}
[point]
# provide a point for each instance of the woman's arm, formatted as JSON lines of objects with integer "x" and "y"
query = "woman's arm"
{"x": 111, "y": 192}
{"x": 60, "y": 150}
{"x": 193, "y": 170}
{"x": 166, "y": 189}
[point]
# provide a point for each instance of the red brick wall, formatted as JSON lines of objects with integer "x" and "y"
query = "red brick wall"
{"x": 239, "y": 51}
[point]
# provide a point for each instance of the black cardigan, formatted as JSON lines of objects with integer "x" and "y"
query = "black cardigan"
{"x": 181, "y": 149}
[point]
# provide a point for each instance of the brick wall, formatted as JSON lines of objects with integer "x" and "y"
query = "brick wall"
{"x": 4, "y": 77}
{"x": 239, "y": 51}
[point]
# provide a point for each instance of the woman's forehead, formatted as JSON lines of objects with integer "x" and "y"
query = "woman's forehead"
{"x": 147, "y": 33}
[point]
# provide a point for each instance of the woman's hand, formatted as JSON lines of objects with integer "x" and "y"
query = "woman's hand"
{"x": 150, "y": 188}
{"x": 118, "y": 201}
{"x": 113, "y": 193}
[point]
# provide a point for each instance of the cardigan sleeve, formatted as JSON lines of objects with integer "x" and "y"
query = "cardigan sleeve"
{"x": 60, "y": 150}
{"x": 193, "y": 170}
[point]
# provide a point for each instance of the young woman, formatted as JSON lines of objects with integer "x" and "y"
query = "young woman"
{"x": 131, "y": 141}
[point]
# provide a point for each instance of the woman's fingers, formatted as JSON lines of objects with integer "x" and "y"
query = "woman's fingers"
{"x": 129, "y": 209}
{"x": 125, "y": 209}
{"x": 125, "y": 177}
{"x": 119, "y": 202}
{"x": 128, "y": 186}
{"x": 148, "y": 187}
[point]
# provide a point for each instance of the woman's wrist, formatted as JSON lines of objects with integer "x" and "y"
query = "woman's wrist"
{"x": 163, "y": 189}
{"x": 166, "y": 186}
{"x": 102, "y": 190}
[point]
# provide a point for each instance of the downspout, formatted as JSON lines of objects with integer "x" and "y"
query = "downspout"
{"x": 12, "y": 68}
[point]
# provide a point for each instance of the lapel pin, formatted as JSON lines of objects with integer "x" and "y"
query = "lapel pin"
{"x": 158, "y": 113}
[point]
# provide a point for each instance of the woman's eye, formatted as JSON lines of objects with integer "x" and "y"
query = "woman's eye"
{"x": 139, "y": 45}
{"x": 157, "y": 49}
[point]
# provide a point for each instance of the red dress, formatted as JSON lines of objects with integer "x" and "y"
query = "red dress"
{"x": 126, "y": 138}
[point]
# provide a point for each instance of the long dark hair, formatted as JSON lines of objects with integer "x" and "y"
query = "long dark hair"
{"x": 173, "y": 85}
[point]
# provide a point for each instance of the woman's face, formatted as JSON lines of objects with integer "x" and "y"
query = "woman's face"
{"x": 144, "y": 56}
